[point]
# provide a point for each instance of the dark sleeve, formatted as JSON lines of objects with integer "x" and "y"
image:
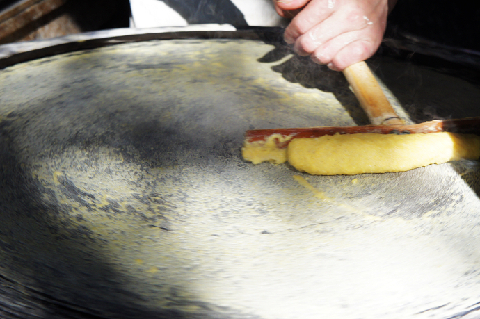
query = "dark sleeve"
{"x": 208, "y": 11}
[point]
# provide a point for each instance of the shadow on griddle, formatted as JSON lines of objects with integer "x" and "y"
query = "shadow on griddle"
{"x": 470, "y": 173}
{"x": 427, "y": 89}
{"x": 54, "y": 268}
{"x": 65, "y": 272}
{"x": 433, "y": 89}
{"x": 303, "y": 71}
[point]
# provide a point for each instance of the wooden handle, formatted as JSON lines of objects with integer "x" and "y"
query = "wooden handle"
{"x": 370, "y": 95}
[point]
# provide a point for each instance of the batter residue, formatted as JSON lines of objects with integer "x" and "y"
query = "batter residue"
{"x": 367, "y": 152}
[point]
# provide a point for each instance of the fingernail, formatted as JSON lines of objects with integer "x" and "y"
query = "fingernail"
{"x": 299, "y": 51}
{"x": 332, "y": 67}
{"x": 320, "y": 58}
{"x": 288, "y": 39}
{"x": 296, "y": 50}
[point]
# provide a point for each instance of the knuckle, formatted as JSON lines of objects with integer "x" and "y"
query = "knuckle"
{"x": 353, "y": 53}
{"x": 360, "y": 49}
{"x": 305, "y": 45}
{"x": 301, "y": 26}
{"x": 290, "y": 35}
{"x": 295, "y": 29}
{"x": 355, "y": 17}
{"x": 306, "y": 20}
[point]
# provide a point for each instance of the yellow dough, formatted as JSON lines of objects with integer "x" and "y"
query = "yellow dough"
{"x": 371, "y": 152}
{"x": 266, "y": 151}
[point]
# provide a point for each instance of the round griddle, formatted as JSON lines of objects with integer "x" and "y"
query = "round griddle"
{"x": 123, "y": 193}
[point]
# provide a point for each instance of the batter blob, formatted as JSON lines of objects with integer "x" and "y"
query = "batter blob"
{"x": 266, "y": 151}
{"x": 368, "y": 152}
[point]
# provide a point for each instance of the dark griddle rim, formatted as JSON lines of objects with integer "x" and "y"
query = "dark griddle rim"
{"x": 11, "y": 54}
{"x": 459, "y": 62}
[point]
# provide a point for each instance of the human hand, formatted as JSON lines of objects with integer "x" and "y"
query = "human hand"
{"x": 337, "y": 33}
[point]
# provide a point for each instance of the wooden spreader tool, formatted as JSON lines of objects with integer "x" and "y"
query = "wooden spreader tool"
{"x": 348, "y": 150}
{"x": 378, "y": 109}
{"x": 370, "y": 95}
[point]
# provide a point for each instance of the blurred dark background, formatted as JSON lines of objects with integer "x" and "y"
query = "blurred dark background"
{"x": 39, "y": 19}
{"x": 453, "y": 23}
{"x": 433, "y": 28}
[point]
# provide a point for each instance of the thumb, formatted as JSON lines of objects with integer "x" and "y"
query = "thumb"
{"x": 289, "y": 8}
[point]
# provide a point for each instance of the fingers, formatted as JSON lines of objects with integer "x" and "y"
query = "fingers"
{"x": 290, "y": 4}
{"x": 349, "y": 47}
{"x": 289, "y": 8}
{"x": 314, "y": 13}
{"x": 288, "y": 14}
{"x": 363, "y": 47}
{"x": 337, "y": 24}
{"x": 337, "y": 32}
{"x": 325, "y": 53}
{"x": 351, "y": 53}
